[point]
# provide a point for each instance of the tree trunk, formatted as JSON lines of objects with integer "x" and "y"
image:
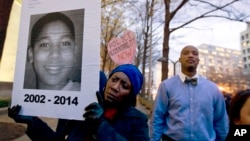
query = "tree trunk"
{"x": 165, "y": 54}
{"x": 165, "y": 49}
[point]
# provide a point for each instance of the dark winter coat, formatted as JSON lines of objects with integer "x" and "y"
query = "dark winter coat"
{"x": 130, "y": 125}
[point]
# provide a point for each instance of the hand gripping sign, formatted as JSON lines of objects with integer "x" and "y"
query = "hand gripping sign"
{"x": 122, "y": 50}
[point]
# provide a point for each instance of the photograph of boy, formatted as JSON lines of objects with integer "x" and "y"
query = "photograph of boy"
{"x": 54, "y": 55}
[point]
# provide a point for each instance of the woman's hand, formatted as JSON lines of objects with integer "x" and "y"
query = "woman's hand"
{"x": 94, "y": 111}
{"x": 13, "y": 113}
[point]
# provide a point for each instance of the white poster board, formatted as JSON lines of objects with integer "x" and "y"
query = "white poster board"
{"x": 57, "y": 66}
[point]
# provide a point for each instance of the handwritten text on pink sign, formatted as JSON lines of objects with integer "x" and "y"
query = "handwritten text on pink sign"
{"x": 122, "y": 50}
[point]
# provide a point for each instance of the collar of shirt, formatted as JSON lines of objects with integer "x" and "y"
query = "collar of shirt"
{"x": 183, "y": 77}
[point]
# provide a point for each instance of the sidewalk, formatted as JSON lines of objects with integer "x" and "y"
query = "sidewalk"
{"x": 143, "y": 109}
{"x": 50, "y": 121}
{"x": 4, "y": 118}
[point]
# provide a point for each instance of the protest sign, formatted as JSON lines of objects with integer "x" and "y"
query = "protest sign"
{"x": 55, "y": 74}
{"x": 122, "y": 50}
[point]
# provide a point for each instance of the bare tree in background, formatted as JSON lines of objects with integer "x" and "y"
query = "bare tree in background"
{"x": 178, "y": 15}
{"x": 117, "y": 16}
{"x": 147, "y": 28}
{"x": 112, "y": 24}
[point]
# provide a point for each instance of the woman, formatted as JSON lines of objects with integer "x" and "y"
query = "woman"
{"x": 116, "y": 119}
{"x": 238, "y": 114}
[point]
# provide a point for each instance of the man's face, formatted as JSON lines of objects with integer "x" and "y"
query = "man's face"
{"x": 118, "y": 88}
{"x": 189, "y": 58}
{"x": 53, "y": 54}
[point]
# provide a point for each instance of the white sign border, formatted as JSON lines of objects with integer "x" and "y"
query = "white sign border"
{"x": 90, "y": 60}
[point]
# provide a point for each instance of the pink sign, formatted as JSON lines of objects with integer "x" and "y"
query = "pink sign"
{"x": 122, "y": 50}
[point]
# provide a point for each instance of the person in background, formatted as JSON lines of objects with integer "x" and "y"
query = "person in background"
{"x": 52, "y": 52}
{"x": 227, "y": 98}
{"x": 113, "y": 119}
{"x": 239, "y": 116}
{"x": 189, "y": 107}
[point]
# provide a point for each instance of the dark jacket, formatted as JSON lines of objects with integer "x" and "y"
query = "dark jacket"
{"x": 130, "y": 125}
{"x": 40, "y": 131}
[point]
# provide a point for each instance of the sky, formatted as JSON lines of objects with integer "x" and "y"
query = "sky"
{"x": 222, "y": 33}
{"x": 213, "y": 30}
{"x": 218, "y": 32}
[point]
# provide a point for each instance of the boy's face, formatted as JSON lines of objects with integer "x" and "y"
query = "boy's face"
{"x": 53, "y": 54}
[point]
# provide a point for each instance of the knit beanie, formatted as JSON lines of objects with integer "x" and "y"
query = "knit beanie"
{"x": 134, "y": 75}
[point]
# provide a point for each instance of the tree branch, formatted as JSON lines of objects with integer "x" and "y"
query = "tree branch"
{"x": 172, "y": 14}
{"x": 206, "y": 14}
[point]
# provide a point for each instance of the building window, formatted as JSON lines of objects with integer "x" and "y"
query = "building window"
{"x": 248, "y": 50}
{"x": 244, "y": 59}
{"x": 244, "y": 51}
{"x": 247, "y": 35}
{"x": 245, "y": 66}
{"x": 219, "y": 62}
{"x": 242, "y": 37}
{"x": 248, "y": 57}
{"x": 244, "y": 44}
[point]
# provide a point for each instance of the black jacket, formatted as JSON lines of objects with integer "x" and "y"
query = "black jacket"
{"x": 131, "y": 125}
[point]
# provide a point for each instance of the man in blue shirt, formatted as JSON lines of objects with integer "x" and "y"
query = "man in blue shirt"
{"x": 189, "y": 107}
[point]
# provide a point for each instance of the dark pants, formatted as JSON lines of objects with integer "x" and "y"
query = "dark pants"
{"x": 166, "y": 138}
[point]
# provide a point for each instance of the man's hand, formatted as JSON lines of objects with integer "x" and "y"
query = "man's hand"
{"x": 14, "y": 114}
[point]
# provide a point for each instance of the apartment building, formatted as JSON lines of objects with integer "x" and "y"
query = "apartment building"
{"x": 245, "y": 48}
{"x": 223, "y": 66}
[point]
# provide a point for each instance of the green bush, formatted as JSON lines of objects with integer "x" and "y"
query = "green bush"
{"x": 4, "y": 102}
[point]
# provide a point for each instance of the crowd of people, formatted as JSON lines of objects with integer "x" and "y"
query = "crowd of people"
{"x": 188, "y": 107}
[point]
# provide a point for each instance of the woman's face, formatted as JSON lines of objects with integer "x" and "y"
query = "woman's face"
{"x": 244, "y": 114}
{"x": 118, "y": 88}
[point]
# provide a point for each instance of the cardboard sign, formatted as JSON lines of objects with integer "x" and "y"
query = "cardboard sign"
{"x": 122, "y": 50}
{"x": 57, "y": 73}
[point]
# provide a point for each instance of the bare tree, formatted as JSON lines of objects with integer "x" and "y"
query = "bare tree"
{"x": 138, "y": 16}
{"x": 112, "y": 24}
{"x": 177, "y": 16}
{"x": 147, "y": 37}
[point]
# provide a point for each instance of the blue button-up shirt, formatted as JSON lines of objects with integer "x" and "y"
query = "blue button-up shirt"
{"x": 189, "y": 113}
